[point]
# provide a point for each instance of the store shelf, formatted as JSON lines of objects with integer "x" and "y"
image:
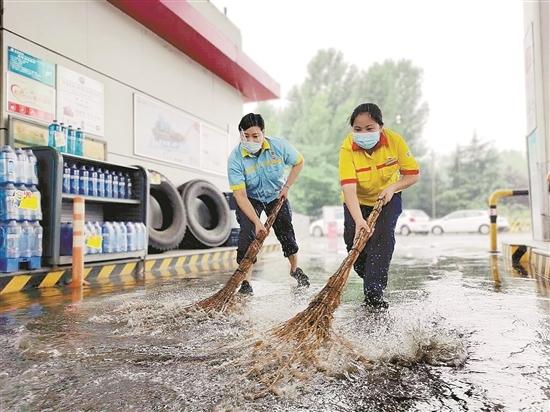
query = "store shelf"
{"x": 103, "y": 199}
{"x": 67, "y": 260}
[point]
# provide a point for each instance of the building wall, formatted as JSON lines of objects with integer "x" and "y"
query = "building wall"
{"x": 537, "y": 19}
{"x": 99, "y": 41}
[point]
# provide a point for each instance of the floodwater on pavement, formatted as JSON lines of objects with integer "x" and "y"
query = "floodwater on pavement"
{"x": 457, "y": 336}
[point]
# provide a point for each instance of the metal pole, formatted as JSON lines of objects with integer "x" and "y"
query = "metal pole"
{"x": 493, "y": 199}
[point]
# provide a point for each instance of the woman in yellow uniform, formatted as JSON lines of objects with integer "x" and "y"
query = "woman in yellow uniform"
{"x": 375, "y": 162}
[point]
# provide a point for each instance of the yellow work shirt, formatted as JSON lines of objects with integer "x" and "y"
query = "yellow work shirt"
{"x": 374, "y": 172}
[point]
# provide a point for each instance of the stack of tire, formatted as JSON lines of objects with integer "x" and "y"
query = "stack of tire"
{"x": 194, "y": 216}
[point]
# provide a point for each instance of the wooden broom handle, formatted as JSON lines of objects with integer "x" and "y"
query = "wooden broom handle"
{"x": 364, "y": 235}
{"x": 271, "y": 218}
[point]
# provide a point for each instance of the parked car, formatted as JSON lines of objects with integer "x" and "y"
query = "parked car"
{"x": 466, "y": 221}
{"x": 333, "y": 216}
{"x": 413, "y": 221}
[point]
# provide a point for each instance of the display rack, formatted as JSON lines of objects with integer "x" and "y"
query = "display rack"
{"x": 57, "y": 206}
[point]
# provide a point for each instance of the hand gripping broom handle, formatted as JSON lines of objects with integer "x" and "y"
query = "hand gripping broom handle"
{"x": 364, "y": 235}
{"x": 256, "y": 245}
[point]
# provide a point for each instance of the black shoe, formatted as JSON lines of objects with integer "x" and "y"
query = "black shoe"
{"x": 245, "y": 288}
{"x": 301, "y": 277}
{"x": 376, "y": 302}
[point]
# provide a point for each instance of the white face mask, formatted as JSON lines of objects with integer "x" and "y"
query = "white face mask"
{"x": 251, "y": 147}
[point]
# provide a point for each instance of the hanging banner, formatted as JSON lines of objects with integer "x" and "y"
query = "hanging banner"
{"x": 31, "y": 67}
{"x": 80, "y": 101}
{"x": 165, "y": 133}
{"x": 214, "y": 149}
{"x": 30, "y": 98}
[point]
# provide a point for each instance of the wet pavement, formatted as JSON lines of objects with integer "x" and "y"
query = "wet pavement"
{"x": 457, "y": 336}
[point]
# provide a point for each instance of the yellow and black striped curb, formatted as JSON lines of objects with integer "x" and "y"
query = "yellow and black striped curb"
{"x": 516, "y": 254}
{"x": 115, "y": 272}
{"x": 540, "y": 263}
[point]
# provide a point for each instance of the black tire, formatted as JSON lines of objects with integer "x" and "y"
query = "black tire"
{"x": 317, "y": 231}
{"x": 155, "y": 214}
{"x": 208, "y": 215}
{"x": 405, "y": 231}
{"x": 173, "y": 221}
{"x": 483, "y": 229}
{"x": 437, "y": 230}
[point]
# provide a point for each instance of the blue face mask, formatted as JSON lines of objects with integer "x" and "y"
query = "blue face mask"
{"x": 252, "y": 147}
{"x": 366, "y": 140}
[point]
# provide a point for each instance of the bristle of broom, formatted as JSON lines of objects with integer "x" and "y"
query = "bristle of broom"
{"x": 292, "y": 347}
{"x": 224, "y": 300}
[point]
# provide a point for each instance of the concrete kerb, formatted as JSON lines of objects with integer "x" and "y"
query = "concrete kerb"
{"x": 166, "y": 265}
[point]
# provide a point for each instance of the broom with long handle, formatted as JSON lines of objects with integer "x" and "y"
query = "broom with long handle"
{"x": 289, "y": 349}
{"x": 222, "y": 300}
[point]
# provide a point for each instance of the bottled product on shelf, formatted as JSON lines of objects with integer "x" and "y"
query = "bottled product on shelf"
{"x": 116, "y": 189}
{"x": 38, "y": 235}
{"x": 106, "y": 237}
{"x": 84, "y": 184}
{"x": 100, "y": 183}
{"x": 70, "y": 139}
{"x": 32, "y": 168}
{"x": 8, "y": 160}
{"x": 20, "y": 210}
{"x": 79, "y": 142}
{"x": 53, "y": 128}
{"x": 93, "y": 191}
{"x": 129, "y": 187}
{"x": 21, "y": 166}
{"x": 75, "y": 180}
{"x": 26, "y": 240}
{"x": 108, "y": 184}
{"x": 89, "y": 181}
{"x": 109, "y": 239}
{"x": 66, "y": 186}
{"x": 60, "y": 139}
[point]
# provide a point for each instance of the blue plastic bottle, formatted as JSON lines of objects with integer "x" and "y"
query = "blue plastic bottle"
{"x": 100, "y": 183}
{"x": 66, "y": 178}
{"x": 131, "y": 237}
{"x": 145, "y": 236}
{"x": 129, "y": 187}
{"x": 75, "y": 180}
{"x": 115, "y": 185}
{"x": 32, "y": 171}
{"x": 79, "y": 142}
{"x": 66, "y": 243}
{"x": 52, "y": 129}
{"x": 21, "y": 166}
{"x": 109, "y": 238}
{"x": 71, "y": 140}
{"x": 121, "y": 186}
{"x": 12, "y": 239}
{"x": 35, "y": 193}
{"x": 25, "y": 240}
{"x": 84, "y": 187}
{"x": 108, "y": 184}
{"x": 61, "y": 139}
{"x": 38, "y": 235}
{"x": 93, "y": 191}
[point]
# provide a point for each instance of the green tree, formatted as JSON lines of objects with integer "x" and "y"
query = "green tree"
{"x": 317, "y": 115}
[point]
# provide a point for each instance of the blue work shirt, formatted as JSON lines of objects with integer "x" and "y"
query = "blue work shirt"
{"x": 262, "y": 176}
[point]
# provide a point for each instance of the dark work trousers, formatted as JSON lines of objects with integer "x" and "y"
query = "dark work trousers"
{"x": 282, "y": 227}
{"x": 374, "y": 260}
